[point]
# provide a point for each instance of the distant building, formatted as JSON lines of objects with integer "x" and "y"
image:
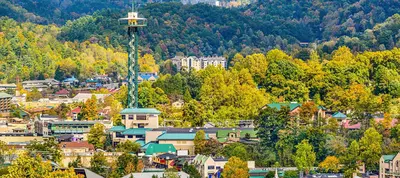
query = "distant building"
{"x": 137, "y": 121}
{"x": 40, "y": 84}
{"x": 10, "y": 86}
{"x": 70, "y": 81}
{"x": 147, "y": 76}
{"x": 5, "y": 102}
{"x": 76, "y": 147}
{"x": 79, "y": 129}
{"x": 208, "y": 166}
{"x": 181, "y": 141}
{"x": 235, "y": 135}
{"x": 82, "y": 97}
{"x": 178, "y": 104}
{"x": 192, "y": 62}
{"x": 154, "y": 174}
{"x": 209, "y": 2}
{"x": 294, "y": 109}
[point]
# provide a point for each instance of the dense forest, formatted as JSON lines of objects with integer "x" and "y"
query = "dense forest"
{"x": 207, "y": 30}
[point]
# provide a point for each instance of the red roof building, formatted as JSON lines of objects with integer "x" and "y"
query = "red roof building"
{"x": 62, "y": 92}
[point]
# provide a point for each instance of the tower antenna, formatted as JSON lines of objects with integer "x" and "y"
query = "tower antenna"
{"x": 134, "y": 22}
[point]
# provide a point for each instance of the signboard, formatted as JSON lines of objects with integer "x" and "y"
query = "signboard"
{"x": 182, "y": 152}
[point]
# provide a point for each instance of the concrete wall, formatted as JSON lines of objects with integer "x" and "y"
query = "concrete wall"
{"x": 20, "y": 139}
{"x": 85, "y": 158}
{"x": 152, "y": 135}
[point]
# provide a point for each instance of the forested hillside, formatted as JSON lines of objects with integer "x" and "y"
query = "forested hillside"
{"x": 208, "y": 30}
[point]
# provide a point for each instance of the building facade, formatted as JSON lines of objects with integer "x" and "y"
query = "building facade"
{"x": 389, "y": 166}
{"x": 5, "y": 102}
{"x": 210, "y": 167}
{"x": 181, "y": 141}
{"x": 136, "y": 122}
{"x": 192, "y": 62}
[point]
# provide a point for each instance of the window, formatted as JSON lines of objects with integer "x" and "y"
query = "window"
{"x": 141, "y": 117}
{"x": 183, "y": 142}
{"x": 139, "y": 136}
{"x": 218, "y": 167}
{"x": 178, "y": 142}
{"x": 130, "y": 136}
{"x": 119, "y": 135}
{"x": 210, "y": 167}
{"x": 123, "y": 117}
{"x": 130, "y": 117}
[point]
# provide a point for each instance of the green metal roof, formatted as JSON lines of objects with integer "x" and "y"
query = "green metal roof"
{"x": 257, "y": 171}
{"x": 135, "y": 131}
{"x": 222, "y": 139}
{"x": 141, "y": 142}
{"x": 74, "y": 123}
{"x": 339, "y": 115}
{"x": 200, "y": 159}
{"x": 388, "y": 158}
{"x": 154, "y": 148}
{"x": 119, "y": 128}
{"x": 253, "y": 133}
{"x": 140, "y": 111}
{"x": 178, "y": 136}
{"x": 224, "y": 133}
{"x": 5, "y": 95}
{"x": 278, "y": 106}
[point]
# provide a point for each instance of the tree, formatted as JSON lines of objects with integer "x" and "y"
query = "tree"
{"x": 193, "y": 112}
{"x": 128, "y": 146}
{"x": 28, "y": 166}
{"x": 330, "y": 164}
{"x": 63, "y": 110}
{"x": 69, "y": 173}
{"x": 127, "y": 163}
{"x": 171, "y": 173}
{"x": 89, "y": 109}
{"x": 235, "y": 168}
{"x": 351, "y": 159}
{"x": 33, "y": 95}
{"x": 48, "y": 150}
{"x": 77, "y": 163}
{"x": 3, "y": 152}
{"x": 96, "y": 135}
{"x": 370, "y": 148}
{"x": 116, "y": 108}
{"x": 307, "y": 111}
{"x": 98, "y": 163}
{"x": 199, "y": 142}
{"x": 212, "y": 147}
{"x": 191, "y": 170}
{"x": 269, "y": 122}
{"x": 304, "y": 157}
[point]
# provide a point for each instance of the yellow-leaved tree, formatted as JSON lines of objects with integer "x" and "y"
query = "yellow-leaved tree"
{"x": 28, "y": 166}
{"x": 330, "y": 164}
{"x": 235, "y": 168}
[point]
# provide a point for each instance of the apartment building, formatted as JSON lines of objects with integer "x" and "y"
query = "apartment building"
{"x": 5, "y": 102}
{"x": 136, "y": 122}
{"x": 192, "y": 62}
{"x": 389, "y": 166}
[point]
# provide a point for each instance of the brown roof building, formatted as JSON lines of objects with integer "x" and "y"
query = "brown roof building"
{"x": 76, "y": 147}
